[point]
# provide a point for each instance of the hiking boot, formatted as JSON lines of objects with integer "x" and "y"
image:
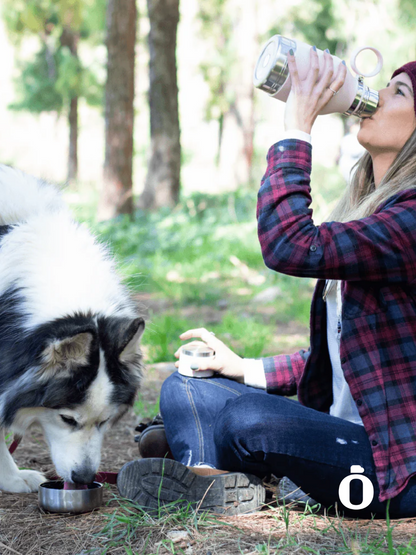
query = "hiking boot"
{"x": 152, "y": 441}
{"x": 289, "y": 492}
{"x": 152, "y": 483}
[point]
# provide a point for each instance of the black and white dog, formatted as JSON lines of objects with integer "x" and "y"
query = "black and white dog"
{"x": 69, "y": 333}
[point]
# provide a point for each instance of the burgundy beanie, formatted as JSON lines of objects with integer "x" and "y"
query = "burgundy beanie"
{"x": 410, "y": 70}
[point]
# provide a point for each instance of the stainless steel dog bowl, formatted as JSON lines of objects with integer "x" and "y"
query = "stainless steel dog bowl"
{"x": 55, "y": 499}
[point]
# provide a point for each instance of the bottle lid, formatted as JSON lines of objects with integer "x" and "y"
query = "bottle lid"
{"x": 198, "y": 351}
{"x": 271, "y": 71}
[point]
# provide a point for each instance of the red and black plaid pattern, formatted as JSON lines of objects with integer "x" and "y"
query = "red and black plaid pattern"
{"x": 375, "y": 258}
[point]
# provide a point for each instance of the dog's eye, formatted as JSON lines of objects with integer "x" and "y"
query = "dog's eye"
{"x": 102, "y": 423}
{"x": 68, "y": 420}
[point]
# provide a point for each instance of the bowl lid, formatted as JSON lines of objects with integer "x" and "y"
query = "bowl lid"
{"x": 197, "y": 351}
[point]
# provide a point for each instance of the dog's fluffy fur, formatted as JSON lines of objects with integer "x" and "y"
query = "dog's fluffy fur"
{"x": 69, "y": 333}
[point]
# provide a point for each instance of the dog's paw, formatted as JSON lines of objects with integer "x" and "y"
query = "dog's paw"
{"x": 32, "y": 478}
{"x": 24, "y": 481}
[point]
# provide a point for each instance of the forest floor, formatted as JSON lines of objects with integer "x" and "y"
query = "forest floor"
{"x": 119, "y": 527}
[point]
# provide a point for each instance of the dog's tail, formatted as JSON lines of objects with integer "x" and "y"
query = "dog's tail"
{"x": 23, "y": 196}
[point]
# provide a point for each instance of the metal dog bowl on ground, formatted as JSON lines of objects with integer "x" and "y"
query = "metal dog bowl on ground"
{"x": 54, "y": 499}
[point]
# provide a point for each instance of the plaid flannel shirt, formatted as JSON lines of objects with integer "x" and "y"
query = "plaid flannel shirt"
{"x": 375, "y": 258}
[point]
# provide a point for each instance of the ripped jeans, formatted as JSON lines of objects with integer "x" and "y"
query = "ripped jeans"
{"x": 232, "y": 426}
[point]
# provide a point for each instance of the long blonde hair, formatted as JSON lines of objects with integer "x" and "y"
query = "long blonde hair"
{"x": 361, "y": 198}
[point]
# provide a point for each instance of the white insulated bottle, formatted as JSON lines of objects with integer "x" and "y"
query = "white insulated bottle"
{"x": 271, "y": 75}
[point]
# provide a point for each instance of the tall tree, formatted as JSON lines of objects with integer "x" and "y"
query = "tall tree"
{"x": 163, "y": 177}
{"x": 117, "y": 197}
{"x": 217, "y": 28}
{"x": 231, "y": 30}
{"x": 70, "y": 39}
{"x": 55, "y": 78}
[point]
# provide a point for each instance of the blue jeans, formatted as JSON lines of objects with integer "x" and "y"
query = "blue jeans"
{"x": 232, "y": 426}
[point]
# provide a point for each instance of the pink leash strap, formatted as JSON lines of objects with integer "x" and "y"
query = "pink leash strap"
{"x": 14, "y": 445}
{"x": 102, "y": 477}
{"x": 107, "y": 478}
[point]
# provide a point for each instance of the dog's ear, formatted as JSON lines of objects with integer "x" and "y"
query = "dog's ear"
{"x": 61, "y": 355}
{"x": 130, "y": 343}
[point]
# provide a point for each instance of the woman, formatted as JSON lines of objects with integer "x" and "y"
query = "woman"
{"x": 357, "y": 383}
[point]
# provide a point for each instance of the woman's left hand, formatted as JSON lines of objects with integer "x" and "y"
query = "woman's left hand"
{"x": 226, "y": 363}
{"x": 309, "y": 96}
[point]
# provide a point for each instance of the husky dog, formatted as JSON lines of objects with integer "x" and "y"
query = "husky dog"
{"x": 69, "y": 333}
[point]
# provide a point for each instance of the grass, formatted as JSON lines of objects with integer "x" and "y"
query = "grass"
{"x": 164, "y": 330}
{"x": 285, "y": 530}
{"x": 145, "y": 410}
{"x": 126, "y": 525}
{"x": 162, "y": 336}
{"x": 193, "y": 253}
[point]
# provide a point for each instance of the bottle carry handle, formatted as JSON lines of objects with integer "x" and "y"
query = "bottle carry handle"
{"x": 353, "y": 61}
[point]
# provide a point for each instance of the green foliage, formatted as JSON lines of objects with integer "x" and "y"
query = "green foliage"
{"x": 187, "y": 252}
{"x": 145, "y": 410}
{"x": 317, "y": 23}
{"x": 69, "y": 81}
{"x": 216, "y": 68}
{"x": 408, "y": 12}
{"x": 56, "y": 74}
{"x": 76, "y": 80}
{"x": 247, "y": 335}
{"x": 36, "y": 84}
{"x": 162, "y": 336}
{"x": 193, "y": 254}
{"x": 252, "y": 336}
{"x": 216, "y": 27}
{"x": 93, "y": 21}
{"x": 28, "y": 17}
{"x": 49, "y": 81}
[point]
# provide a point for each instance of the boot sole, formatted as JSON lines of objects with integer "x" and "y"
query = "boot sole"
{"x": 152, "y": 483}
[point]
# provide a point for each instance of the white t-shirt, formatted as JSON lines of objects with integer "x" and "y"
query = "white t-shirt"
{"x": 343, "y": 405}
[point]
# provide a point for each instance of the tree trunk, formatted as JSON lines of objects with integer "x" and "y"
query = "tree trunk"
{"x": 73, "y": 140}
{"x": 243, "y": 109}
{"x": 163, "y": 177}
{"x": 70, "y": 39}
{"x": 117, "y": 197}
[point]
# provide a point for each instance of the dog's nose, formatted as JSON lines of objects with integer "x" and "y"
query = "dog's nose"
{"x": 82, "y": 476}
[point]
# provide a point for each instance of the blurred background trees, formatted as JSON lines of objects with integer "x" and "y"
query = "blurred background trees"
{"x": 147, "y": 108}
{"x": 175, "y": 96}
{"x": 54, "y": 78}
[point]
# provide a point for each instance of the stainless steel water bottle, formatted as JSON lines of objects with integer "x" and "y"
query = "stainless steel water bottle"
{"x": 271, "y": 75}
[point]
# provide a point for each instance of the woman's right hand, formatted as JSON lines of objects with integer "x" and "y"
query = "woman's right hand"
{"x": 310, "y": 95}
{"x": 225, "y": 362}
